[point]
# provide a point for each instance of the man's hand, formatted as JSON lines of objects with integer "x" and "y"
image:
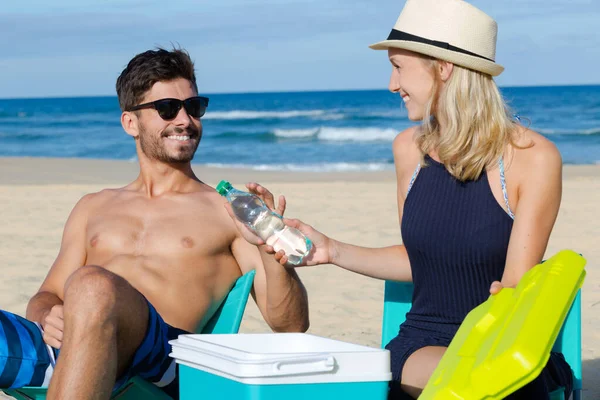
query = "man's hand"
{"x": 53, "y": 324}
{"x": 267, "y": 197}
{"x": 269, "y": 200}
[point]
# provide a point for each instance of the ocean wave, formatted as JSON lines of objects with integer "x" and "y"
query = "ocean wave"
{"x": 61, "y": 120}
{"x": 330, "y": 117}
{"x": 242, "y": 114}
{"x": 14, "y": 114}
{"x": 592, "y": 131}
{"x": 28, "y": 136}
{"x": 388, "y": 114}
{"x": 320, "y": 115}
{"x": 296, "y": 133}
{"x": 583, "y": 132}
{"x": 357, "y": 134}
{"x": 339, "y": 134}
{"x": 320, "y": 167}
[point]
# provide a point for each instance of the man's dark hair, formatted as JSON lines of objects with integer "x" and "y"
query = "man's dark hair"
{"x": 149, "y": 67}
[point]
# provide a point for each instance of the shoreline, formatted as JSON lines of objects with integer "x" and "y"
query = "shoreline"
{"x": 26, "y": 171}
{"x": 52, "y": 171}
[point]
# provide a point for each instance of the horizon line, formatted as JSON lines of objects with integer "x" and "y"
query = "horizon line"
{"x": 293, "y": 91}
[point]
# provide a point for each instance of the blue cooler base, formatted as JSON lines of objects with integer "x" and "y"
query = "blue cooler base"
{"x": 196, "y": 384}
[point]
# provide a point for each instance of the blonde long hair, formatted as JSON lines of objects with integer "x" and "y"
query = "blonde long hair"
{"x": 478, "y": 124}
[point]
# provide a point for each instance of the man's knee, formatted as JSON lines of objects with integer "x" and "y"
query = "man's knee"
{"x": 92, "y": 287}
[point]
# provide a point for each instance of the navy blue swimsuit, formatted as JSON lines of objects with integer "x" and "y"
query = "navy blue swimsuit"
{"x": 456, "y": 236}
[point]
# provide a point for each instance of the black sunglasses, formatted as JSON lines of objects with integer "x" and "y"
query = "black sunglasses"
{"x": 169, "y": 108}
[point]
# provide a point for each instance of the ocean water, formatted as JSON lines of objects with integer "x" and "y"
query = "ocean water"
{"x": 323, "y": 131}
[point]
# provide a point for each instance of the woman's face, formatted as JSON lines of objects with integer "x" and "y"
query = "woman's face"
{"x": 413, "y": 79}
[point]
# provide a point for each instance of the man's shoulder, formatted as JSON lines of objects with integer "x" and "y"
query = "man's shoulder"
{"x": 101, "y": 195}
{"x": 205, "y": 208}
{"x": 204, "y": 198}
{"x": 206, "y": 192}
{"x": 92, "y": 200}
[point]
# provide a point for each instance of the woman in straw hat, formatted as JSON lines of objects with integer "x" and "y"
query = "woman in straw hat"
{"x": 478, "y": 194}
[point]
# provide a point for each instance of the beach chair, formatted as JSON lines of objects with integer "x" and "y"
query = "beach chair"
{"x": 398, "y": 301}
{"x": 227, "y": 319}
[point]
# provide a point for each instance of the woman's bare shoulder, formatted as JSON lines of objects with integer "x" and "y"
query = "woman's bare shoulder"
{"x": 405, "y": 141}
{"x": 533, "y": 149}
{"x": 405, "y": 148}
{"x": 533, "y": 155}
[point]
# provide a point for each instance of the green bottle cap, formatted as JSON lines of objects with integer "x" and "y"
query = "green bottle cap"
{"x": 223, "y": 187}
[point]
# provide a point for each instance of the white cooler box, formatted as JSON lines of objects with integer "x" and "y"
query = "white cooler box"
{"x": 281, "y": 366}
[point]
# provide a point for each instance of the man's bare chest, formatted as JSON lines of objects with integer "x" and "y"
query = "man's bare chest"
{"x": 157, "y": 232}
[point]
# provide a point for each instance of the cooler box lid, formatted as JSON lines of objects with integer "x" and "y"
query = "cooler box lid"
{"x": 505, "y": 342}
{"x": 279, "y": 358}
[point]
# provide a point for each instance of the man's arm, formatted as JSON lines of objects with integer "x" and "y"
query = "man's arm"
{"x": 278, "y": 291}
{"x": 72, "y": 255}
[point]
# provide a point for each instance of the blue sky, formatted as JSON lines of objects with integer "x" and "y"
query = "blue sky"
{"x": 79, "y": 47}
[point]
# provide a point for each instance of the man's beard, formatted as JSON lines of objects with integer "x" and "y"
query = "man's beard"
{"x": 154, "y": 148}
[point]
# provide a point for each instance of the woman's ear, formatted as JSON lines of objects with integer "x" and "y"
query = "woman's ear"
{"x": 445, "y": 69}
{"x": 130, "y": 122}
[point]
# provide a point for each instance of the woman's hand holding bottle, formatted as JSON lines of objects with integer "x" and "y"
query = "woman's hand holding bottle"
{"x": 261, "y": 223}
{"x": 322, "y": 246}
{"x": 321, "y": 252}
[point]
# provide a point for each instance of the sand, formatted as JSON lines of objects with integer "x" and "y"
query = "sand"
{"x": 36, "y": 196}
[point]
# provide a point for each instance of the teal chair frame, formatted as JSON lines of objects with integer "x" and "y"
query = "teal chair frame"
{"x": 226, "y": 319}
{"x": 398, "y": 301}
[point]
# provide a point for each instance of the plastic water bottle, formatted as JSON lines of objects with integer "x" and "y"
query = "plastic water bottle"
{"x": 268, "y": 225}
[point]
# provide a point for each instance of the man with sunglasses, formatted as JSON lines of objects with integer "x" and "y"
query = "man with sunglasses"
{"x": 141, "y": 264}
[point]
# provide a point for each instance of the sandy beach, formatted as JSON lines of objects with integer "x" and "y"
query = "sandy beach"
{"x": 37, "y": 195}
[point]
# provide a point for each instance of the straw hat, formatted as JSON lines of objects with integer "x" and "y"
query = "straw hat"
{"x": 450, "y": 30}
